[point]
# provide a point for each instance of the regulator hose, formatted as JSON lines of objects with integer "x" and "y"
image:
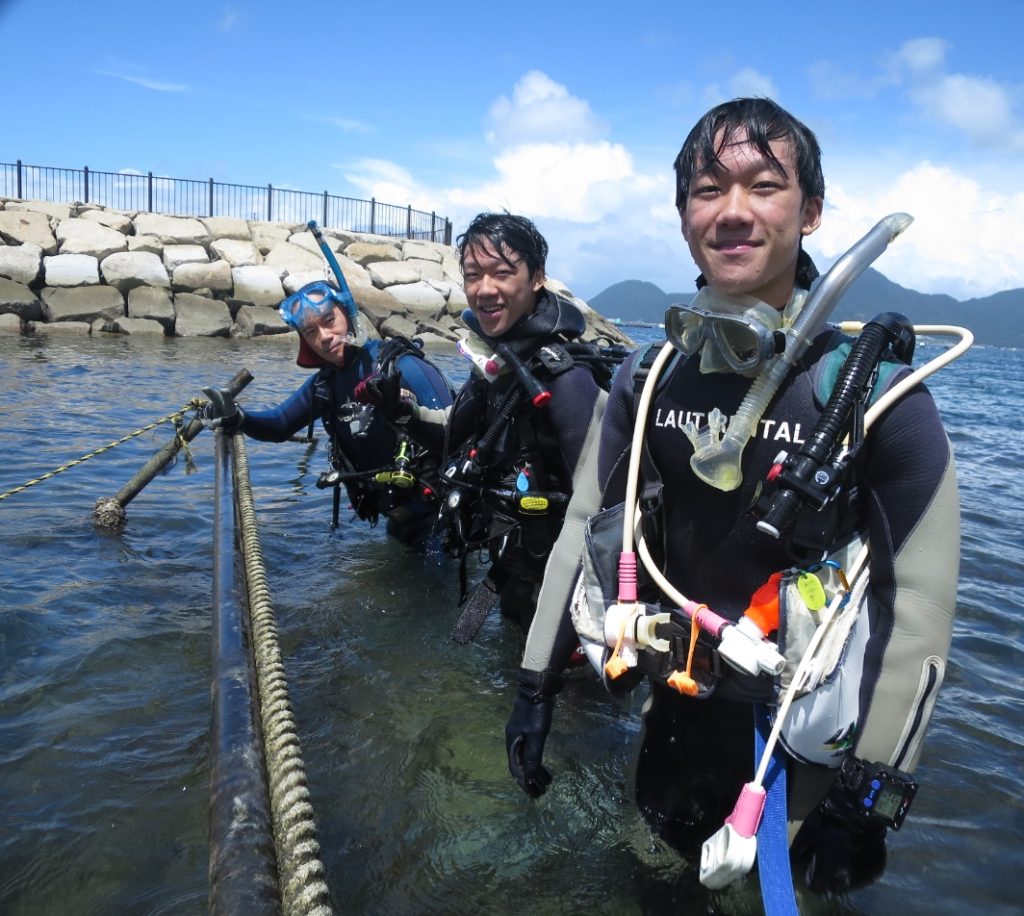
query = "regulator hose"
{"x": 807, "y": 476}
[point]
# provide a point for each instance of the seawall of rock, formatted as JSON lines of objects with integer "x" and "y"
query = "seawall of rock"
{"x": 85, "y": 269}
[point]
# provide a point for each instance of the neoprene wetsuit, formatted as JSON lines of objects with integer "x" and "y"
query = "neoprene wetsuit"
{"x": 546, "y": 441}
{"x": 361, "y": 439}
{"x": 695, "y": 755}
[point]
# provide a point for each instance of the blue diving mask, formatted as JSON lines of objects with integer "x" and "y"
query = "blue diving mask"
{"x": 741, "y": 332}
{"x": 315, "y": 300}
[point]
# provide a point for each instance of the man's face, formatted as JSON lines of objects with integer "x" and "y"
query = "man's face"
{"x": 327, "y": 335}
{"x": 499, "y": 291}
{"x": 744, "y": 220}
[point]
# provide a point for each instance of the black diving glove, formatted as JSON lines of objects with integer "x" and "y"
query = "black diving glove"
{"x": 386, "y": 395}
{"x": 222, "y": 412}
{"x": 528, "y": 728}
{"x": 838, "y": 854}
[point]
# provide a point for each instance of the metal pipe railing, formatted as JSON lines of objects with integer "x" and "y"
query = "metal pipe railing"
{"x": 192, "y": 197}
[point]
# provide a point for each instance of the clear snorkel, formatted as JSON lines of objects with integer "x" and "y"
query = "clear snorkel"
{"x": 716, "y": 455}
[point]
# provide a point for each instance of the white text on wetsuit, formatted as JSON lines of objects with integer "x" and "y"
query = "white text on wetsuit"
{"x": 769, "y": 430}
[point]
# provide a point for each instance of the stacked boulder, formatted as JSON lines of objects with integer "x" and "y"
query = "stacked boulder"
{"x": 83, "y": 268}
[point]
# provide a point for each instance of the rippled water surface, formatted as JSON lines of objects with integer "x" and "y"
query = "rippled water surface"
{"x": 105, "y": 677}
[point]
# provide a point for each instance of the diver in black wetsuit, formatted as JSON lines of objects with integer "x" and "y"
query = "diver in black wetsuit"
{"x": 363, "y": 443}
{"x": 749, "y": 189}
{"x": 518, "y": 427}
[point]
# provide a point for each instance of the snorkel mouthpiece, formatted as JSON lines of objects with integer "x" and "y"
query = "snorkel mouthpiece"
{"x": 718, "y": 449}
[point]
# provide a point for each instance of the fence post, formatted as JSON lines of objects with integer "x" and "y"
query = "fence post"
{"x": 323, "y": 222}
{"x": 373, "y": 215}
{"x": 270, "y": 197}
{"x": 85, "y": 172}
{"x": 149, "y": 193}
{"x": 211, "y": 198}
{"x": 433, "y": 226}
{"x": 18, "y": 195}
{"x": 447, "y": 231}
{"x": 408, "y": 221}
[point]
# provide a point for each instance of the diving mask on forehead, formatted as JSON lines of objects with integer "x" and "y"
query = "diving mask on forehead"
{"x": 733, "y": 333}
{"x": 314, "y": 300}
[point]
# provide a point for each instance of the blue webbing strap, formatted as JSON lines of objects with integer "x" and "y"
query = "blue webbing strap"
{"x": 773, "y": 867}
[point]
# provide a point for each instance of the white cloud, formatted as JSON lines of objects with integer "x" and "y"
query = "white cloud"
{"x": 348, "y": 125}
{"x": 980, "y": 108}
{"x": 229, "y": 19}
{"x": 744, "y": 82}
{"x": 579, "y": 182}
{"x": 383, "y": 180}
{"x": 831, "y": 82}
{"x": 962, "y": 241}
{"x": 145, "y": 82}
{"x": 541, "y": 110}
{"x": 749, "y": 82}
{"x": 921, "y": 54}
{"x": 607, "y": 221}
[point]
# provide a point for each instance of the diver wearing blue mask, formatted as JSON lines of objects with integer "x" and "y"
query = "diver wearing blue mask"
{"x": 382, "y": 471}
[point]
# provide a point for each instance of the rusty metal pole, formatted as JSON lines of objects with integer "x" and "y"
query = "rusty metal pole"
{"x": 109, "y": 511}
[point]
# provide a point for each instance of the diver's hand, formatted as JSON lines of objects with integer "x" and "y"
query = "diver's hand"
{"x": 367, "y": 390}
{"x": 837, "y": 854}
{"x": 386, "y": 394}
{"x": 528, "y": 728}
{"x": 222, "y": 412}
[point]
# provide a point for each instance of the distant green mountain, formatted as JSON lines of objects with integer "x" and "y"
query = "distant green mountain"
{"x": 997, "y": 320}
{"x": 635, "y": 300}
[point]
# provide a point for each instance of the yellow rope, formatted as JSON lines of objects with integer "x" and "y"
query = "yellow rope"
{"x": 300, "y": 870}
{"x": 193, "y": 404}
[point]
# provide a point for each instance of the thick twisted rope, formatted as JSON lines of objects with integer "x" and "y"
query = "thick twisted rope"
{"x": 301, "y": 873}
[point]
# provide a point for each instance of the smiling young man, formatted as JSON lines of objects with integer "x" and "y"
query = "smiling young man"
{"x": 519, "y": 425}
{"x": 749, "y": 190}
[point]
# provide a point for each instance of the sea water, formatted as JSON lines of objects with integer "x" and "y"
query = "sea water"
{"x": 105, "y": 676}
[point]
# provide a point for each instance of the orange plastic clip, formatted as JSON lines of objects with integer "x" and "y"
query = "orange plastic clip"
{"x": 683, "y": 681}
{"x": 764, "y": 605}
{"x": 615, "y": 667}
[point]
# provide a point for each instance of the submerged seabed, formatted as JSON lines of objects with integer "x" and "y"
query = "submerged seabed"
{"x": 105, "y": 663}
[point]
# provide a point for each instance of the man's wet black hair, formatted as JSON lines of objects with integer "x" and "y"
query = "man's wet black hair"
{"x": 506, "y": 232}
{"x": 762, "y": 121}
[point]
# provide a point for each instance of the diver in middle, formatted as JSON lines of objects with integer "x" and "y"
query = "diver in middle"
{"x": 520, "y": 423}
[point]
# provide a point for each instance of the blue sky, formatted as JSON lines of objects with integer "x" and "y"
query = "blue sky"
{"x": 567, "y": 112}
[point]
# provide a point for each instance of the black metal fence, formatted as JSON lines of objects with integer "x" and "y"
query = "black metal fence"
{"x": 192, "y": 197}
